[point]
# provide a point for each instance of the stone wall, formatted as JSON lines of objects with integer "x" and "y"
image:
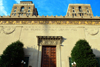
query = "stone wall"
{"x": 70, "y": 33}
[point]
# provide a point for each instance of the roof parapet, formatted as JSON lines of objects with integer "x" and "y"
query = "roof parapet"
{"x": 50, "y": 16}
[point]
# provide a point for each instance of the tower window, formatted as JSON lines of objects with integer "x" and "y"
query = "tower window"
{"x": 19, "y": 14}
{"x": 73, "y": 7}
{"x": 15, "y": 14}
{"x": 75, "y": 14}
{"x": 34, "y": 13}
{"x": 73, "y": 10}
{"x": 88, "y": 11}
{"x": 72, "y": 14}
{"x": 28, "y": 10}
{"x": 29, "y": 14}
{"x": 22, "y": 14}
{"x": 15, "y": 7}
{"x": 80, "y": 14}
{"x": 86, "y": 7}
{"x": 14, "y": 10}
{"x": 80, "y": 9}
{"x": 22, "y": 8}
{"x": 29, "y": 7}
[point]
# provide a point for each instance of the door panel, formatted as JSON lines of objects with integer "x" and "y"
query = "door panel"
{"x": 48, "y": 56}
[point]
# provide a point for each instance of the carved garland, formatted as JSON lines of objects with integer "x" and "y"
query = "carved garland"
{"x": 53, "y": 22}
{"x": 8, "y": 29}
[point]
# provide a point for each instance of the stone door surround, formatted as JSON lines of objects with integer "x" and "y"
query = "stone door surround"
{"x": 49, "y": 41}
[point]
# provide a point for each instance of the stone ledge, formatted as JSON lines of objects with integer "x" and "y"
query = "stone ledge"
{"x": 82, "y": 17}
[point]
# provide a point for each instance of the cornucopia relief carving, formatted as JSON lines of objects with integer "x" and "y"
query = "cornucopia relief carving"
{"x": 7, "y": 29}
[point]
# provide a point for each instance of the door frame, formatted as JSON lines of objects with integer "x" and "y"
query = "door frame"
{"x": 49, "y": 41}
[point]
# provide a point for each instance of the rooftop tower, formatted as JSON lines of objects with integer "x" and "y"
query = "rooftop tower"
{"x": 25, "y": 8}
{"x": 79, "y": 10}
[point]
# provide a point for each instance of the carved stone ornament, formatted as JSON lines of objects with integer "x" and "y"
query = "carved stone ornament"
{"x": 49, "y": 40}
{"x": 8, "y": 29}
{"x": 92, "y": 31}
{"x": 53, "y": 22}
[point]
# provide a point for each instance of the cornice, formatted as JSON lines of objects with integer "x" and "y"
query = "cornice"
{"x": 51, "y": 17}
{"x": 62, "y": 20}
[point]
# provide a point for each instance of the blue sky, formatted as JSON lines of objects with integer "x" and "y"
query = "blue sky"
{"x": 50, "y": 7}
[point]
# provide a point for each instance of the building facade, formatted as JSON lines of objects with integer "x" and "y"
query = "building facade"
{"x": 48, "y": 40}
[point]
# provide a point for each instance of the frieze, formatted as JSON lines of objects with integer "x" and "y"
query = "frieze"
{"x": 50, "y": 28}
{"x": 53, "y": 22}
{"x": 50, "y": 42}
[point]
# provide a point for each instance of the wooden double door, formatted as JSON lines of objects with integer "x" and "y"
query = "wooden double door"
{"x": 48, "y": 56}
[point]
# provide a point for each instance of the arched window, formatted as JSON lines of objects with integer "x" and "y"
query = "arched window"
{"x": 72, "y": 14}
{"x": 15, "y": 14}
{"x": 19, "y": 14}
{"x": 73, "y": 10}
{"x": 28, "y": 10}
{"x": 15, "y": 7}
{"x": 75, "y": 14}
{"x": 34, "y": 13}
{"x": 86, "y": 7}
{"x": 22, "y": 8}
{"x": 80, "y": 9}
{"x": 88, "y": 11}
{"x": 14, "y": 10}
{"x": 22, "y": 14}
{"x": 80, "y": 14}
{"x": 27, "y": 14}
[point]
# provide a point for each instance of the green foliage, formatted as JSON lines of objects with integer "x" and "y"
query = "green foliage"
{"x": 12, "y": 55}
{"x": 83, "y": 55}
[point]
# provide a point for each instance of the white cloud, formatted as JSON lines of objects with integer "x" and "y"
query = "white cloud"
{"x": 18, "y": 1}
{"x": 2, "y": 9}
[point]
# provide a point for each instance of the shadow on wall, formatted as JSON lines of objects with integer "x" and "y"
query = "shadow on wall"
{"x": 32, "y": 53}
{"x": 63, "y": 39}
{"x": 46, "y": 58}
{"x": 96, "y": 52}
